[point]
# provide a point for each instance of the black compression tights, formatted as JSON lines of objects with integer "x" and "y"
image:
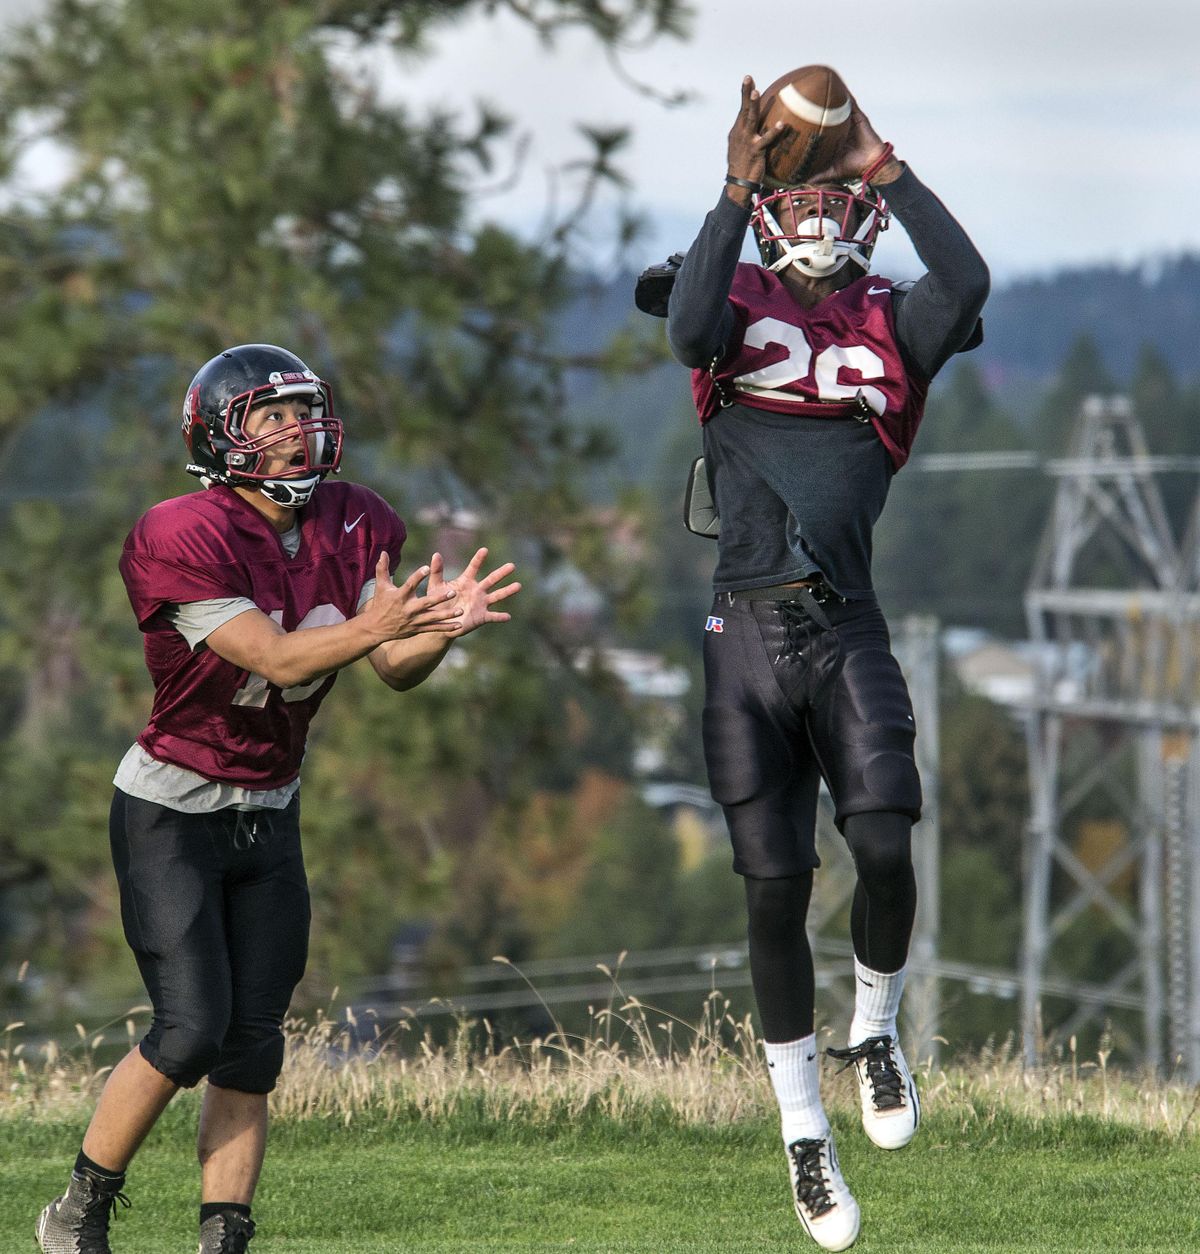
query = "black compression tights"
{"x": 881, "y": 919}
{"x": 781, "y": 965}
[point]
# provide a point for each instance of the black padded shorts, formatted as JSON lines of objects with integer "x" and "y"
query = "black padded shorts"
{"x": 216, "y": 910}
{"x": 789, "y": 701}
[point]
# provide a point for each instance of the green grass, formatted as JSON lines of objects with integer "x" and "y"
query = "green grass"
{"x": 1007, "y": 1182}
{"x": 628, "y": 1140}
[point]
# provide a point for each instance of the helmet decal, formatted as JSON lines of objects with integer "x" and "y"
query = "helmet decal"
{"x": 190, "y": 405}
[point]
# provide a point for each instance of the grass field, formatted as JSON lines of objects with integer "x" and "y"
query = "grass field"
{"x": 1017, "y": 1184}
{"x": 617, "y": 1143}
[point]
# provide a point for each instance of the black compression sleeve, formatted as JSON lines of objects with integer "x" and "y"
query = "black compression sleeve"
{"x": 935, "y": 317}
{"x": 699, "y": 318}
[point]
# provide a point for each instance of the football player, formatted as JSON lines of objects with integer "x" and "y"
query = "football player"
{"x": 251, "y": 595}
{"x": 809, "y": 377}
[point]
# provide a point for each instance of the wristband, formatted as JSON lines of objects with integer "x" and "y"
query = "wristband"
{"x": 734, "y": 181}
{"x": 873, "y": 169}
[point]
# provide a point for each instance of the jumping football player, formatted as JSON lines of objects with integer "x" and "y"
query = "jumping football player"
{"x": 810, "y": 378}
{"x": 252, "y": 595}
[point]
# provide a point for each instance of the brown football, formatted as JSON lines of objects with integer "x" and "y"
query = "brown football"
{"x": 814, "y": 106}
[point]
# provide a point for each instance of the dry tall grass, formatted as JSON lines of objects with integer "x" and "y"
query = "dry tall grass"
{"x": 634, "y": 1064}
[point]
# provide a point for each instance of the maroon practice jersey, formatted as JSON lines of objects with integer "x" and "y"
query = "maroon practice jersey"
{"x": 210, "y": 716}
{"x": 793, "y": 360}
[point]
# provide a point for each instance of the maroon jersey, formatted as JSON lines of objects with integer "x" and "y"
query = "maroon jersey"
{"x": 210, "y": 716}
{"x": 796, "y": 361}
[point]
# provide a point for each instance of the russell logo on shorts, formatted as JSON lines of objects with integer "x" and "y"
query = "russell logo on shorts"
{"x": 714, "y": 623}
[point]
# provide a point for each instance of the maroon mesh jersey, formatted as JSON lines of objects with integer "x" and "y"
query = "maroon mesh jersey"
{"x": 787, "y": 359}
{"x": 210, "y": 716}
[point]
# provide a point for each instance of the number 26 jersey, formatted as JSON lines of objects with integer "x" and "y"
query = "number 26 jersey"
{"x": 816, "y": 362}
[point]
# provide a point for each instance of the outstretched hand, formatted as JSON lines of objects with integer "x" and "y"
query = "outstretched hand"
{"x": 474, "y": 597}
{"x": 748, "y": 143}
{"x": 399, "y": 610}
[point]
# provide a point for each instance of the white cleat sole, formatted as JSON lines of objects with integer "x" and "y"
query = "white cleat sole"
{"x": 43, "y": 1220}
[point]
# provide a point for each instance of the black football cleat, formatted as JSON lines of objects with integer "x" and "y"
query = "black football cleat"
{"x": 77, "y": 1222}
{"x": 226, "y": 1233}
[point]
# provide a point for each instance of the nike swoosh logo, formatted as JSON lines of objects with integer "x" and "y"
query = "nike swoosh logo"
{"x": 878, "y": 291}
{"x": 769, "y": 1063}
{"x": 349, "y": 527}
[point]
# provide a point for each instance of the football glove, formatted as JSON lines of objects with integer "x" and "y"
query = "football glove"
{"x": 653, "y": 288}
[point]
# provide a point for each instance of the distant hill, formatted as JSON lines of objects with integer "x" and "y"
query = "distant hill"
{"x": 1030, "y": 325}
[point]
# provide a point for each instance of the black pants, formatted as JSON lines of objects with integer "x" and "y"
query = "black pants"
{"x": 789, "y": 701}
{"x": 794, "y": 694}
{"x": 216, "y": 909}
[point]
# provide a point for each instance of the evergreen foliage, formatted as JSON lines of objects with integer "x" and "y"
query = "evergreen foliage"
{"x": 233, "y": 174}
{"x": 961, "y": 545}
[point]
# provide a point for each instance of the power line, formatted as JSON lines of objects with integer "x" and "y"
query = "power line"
{"x": 710, "y": 967}
{"x": 1027, "y": 459}
{"x": 943, "y": 462}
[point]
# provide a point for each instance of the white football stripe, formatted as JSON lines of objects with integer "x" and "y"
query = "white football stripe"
{"x": 805, "y": 109}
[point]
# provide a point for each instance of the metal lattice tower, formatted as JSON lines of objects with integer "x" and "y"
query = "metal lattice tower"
{"x": 1113, "y": 866}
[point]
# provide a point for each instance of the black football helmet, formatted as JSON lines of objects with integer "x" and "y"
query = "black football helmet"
{"x": 224, "y": 391}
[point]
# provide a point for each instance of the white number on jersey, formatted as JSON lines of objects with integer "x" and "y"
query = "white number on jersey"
{"x": 796, "y": 366}
{"x": 254, "y": 691}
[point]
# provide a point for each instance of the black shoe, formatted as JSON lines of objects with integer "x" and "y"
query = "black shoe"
{"x": 77, "y": 1222}
{"x": 225, "y": 1233}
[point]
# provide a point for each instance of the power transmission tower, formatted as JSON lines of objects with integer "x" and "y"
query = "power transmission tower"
{"x": 1113, "y": 868}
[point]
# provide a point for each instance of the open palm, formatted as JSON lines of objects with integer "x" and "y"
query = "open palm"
{"x": 476, "y": 595}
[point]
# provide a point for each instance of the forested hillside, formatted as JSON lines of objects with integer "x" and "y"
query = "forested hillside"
{"x": 1130, "y": 316}
{"x": 232, "y": 177}
{"x": 955, "y": 545}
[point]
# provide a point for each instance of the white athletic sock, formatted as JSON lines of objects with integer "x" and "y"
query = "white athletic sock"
{"x": 795, "y": 1072}
{"x": 876, "y": 1003}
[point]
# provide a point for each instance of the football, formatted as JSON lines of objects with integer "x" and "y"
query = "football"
{"x": 814, "y": 106}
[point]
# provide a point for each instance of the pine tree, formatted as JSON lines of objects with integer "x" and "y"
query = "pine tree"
{"x": 232, "y": 174}
{"x": 1083, "y": 373}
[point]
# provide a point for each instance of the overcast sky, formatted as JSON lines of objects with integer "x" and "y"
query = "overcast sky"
{"x": 1058, "y": 131}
